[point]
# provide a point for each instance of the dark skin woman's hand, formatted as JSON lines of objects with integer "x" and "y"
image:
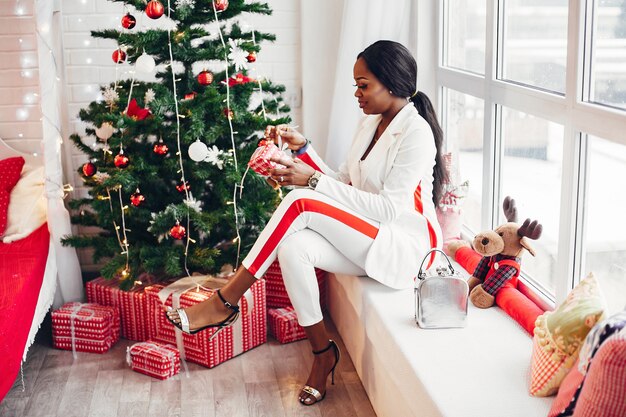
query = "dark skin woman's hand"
{"x": 295, "y": 172}
{"x": 288, "y": 135}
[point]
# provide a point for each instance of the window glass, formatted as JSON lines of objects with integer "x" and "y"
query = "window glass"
{"x": 464, "y": 139}
{"x": 605, "y": 228}
{"x": 608, "y": 54}
{"x": 531, "y": 174}
{"x": 535, "y": 43}
{"x": 465, "y": 34}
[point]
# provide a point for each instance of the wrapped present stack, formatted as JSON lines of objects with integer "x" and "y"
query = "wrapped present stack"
{"x": 158, "y": 360}
{"x": 277, "y": 293}
{"x": 131, "y": 305}
{"x": 283, "y": 325}
{"x": 85, "y": 327}
{"x": 249, "y": 331}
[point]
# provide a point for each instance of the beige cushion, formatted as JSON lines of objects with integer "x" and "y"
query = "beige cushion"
{"x": 27, "y": 206}
{"x": 560, "y": 334}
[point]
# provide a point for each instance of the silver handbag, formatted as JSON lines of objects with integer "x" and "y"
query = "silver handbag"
{"x": 440, "y": 297}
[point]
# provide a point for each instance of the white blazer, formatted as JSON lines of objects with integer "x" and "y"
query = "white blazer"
{"x": 383, "y": 188}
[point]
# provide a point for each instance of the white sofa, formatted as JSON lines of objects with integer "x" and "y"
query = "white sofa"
{"x": 479, "y": 371}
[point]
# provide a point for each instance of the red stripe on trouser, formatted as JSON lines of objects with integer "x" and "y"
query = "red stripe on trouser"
{"x": 309, "y": 161}
{"x": 293, "y": 211}
{"x": 419, "y": 207}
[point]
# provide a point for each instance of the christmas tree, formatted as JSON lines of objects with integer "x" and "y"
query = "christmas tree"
{"x": 159, "y": 211}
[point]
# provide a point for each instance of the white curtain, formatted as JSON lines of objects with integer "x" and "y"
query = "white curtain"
{"x": 69, "y": 282}
{"x": 363, "y": 23}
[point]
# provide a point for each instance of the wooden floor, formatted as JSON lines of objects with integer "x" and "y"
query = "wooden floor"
{"x": 262, "y": 382}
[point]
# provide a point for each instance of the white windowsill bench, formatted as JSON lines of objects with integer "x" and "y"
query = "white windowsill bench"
{"x": 481, "y": 370}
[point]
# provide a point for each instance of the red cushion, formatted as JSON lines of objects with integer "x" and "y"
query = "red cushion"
{"x": 604, "y": 391}
{"x": 10, "y": 170}
{"x": 567, "y": 390}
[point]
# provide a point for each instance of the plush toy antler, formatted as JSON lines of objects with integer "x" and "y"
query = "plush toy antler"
{"x": 501, "y": 250}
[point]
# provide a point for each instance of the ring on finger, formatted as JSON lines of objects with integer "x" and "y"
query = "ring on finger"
{"x": 282, "y": 179}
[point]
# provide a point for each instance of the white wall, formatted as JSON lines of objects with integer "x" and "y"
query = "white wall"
{"x": 88, "y": 62}
{"x": 321, "y": 27}
{"x": 20, "y": 111}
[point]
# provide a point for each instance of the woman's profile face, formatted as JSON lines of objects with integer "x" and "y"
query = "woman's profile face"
{"x": 373, "y": 96}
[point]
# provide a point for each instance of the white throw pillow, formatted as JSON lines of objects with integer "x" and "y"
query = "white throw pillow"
{"x": 27, "y": 206}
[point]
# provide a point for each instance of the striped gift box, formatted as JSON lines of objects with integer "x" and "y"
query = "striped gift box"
{"x": 260, "y": 159}
{"x": 277, "y": 294}
{"x": 283, "y": 325}
{"x": 131, "y": 305}
{"x": 249, "y": 331}
{"x": 158, "y": 360}
{"x": 85, "y": 327}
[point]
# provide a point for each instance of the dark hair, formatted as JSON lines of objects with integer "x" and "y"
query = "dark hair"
{"x": 395, "y": 67}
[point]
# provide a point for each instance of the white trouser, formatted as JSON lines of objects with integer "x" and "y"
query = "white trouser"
{"x": 309, "y": 230}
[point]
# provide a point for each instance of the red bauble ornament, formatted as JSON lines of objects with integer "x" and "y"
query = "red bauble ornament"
{"x": 129, "y": 21}
{"x": 160, "y": 148}
{"x": 137, "y": 198}
{"x": 229, "y": 113}
{"x": 154, "y": 9}
{"x": 205, "y": 77}
{"x": 183, "y": 186}
{"x": 251, "y": 57}
{"x": 118, "y": 56}
{"x": 220, "y": 5}
{"x": 89, "y": 169}
{"x": 121, "y": 160}
{"x": 190, "y": 96}
{"x": 178, "y": 231}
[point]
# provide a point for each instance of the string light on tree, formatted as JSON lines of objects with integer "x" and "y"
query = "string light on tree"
{"x": 154, "y": 9}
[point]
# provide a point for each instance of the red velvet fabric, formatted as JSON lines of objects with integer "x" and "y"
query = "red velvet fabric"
{"x": 10, "y": 171}
{"x": 508, "y": 298}
{"x": 22, "y": 266}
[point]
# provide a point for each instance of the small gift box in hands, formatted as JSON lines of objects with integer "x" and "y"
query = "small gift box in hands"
{"x": 260, "y": 160}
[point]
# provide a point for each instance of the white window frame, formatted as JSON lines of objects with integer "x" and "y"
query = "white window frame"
{"x": 579, "y": 118}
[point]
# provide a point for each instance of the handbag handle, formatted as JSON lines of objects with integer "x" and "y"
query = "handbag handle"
{"x": 422, "y": 275}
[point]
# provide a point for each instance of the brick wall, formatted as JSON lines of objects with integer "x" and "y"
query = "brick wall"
{"x": 88, "y": 62}
{"x": 20, "y": 114}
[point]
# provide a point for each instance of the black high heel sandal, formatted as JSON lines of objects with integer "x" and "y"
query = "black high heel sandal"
{"x": 184, "y": 320}
{"x": 312, "y": 391}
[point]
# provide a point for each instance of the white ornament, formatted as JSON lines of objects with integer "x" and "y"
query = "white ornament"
{"x": 110, "y": 96}
{"x": 237, "y": 56}
{"x": 198, "y": 151}
{"x": 193, "y": 204}
{"x": 213, "y": 156}
{"x": 145, "y": 63}
{"x": 149, "y": 96}
{"x": 105, "y": 131}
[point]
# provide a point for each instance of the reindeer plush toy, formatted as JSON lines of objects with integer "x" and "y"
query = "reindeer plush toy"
{"x": 501, "y": 251}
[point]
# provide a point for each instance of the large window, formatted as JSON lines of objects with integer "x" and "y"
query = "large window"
{"x": 542, "y": 119}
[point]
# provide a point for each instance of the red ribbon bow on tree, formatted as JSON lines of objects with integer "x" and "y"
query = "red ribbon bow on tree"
{"x": 136, "y": 112}
{"x": 239, "y": 79}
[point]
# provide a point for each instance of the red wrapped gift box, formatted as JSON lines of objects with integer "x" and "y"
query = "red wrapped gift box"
{"x": 95, "y": 328}
{"x": 283, "y": 325}
{"x": 154, "y": 359}
{"x": 249, "y": 331}
{"x": 277, "y": 293}
{"x": 131, "y": 305}
{"x": 260, "y": 159}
